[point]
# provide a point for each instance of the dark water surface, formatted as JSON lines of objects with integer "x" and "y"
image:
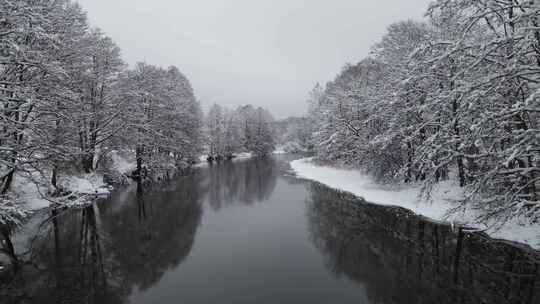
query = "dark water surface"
{"x": 248, "y": 232}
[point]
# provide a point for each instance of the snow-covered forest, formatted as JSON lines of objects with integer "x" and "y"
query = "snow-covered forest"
{"x": 244, "y": 130}
{"x": 70, "y": 104}
{"x": 455, "y": 97}
{"x": 294, "y": 135}
{"x": 72, "y": 111}
{"x": 171, "y": 155}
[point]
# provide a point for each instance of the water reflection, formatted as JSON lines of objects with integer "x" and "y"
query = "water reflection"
{"x": 244, "y": 182}
{"x": 155, "y": 232}
{"x": 120, "y": 249}
{"x": 404, "y": 259}
{"x": 9, "y": 262}
{"x": 67, "y": 261}
{"x": 100, "y": 253}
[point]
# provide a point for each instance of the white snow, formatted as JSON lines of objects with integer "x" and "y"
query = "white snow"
{"x": 244, "y": 155}
{"x": 86, "y": 184}
{"x": 29, "y": 193}
{"x": 279, "y": 150}
{"x": 290, "y": 147}
{"x": 32, "y": 192}
{"x": 438, "y": 208}
{"x": 240, "y": 156}
{"x": 121, "y": 164}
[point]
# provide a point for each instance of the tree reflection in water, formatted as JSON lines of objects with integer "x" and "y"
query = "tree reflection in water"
{"x": 106, "y": 251}
{"x": 98, "y": 254}
{"x": 402, "y": 258}
{"x": 156, "y": 232}
{"x": 245, "y": 182}
{"x": 6, "y": 247}
{"x": 66, "y": 262}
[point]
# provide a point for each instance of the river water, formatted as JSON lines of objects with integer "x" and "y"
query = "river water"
{"x": 249, "y": 232}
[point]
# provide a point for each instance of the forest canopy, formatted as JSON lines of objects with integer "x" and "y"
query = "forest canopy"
{"x": 454, "y": 97}
{"x": 68, "y": 100}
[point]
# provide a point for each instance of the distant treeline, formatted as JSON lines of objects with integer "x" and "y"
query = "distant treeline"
{"x": 246, "y": 129}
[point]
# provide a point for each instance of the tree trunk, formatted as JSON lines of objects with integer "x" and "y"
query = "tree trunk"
{"x": 139, "y": 157}
{"x": 88, "y": 162}
{"x": 54, "y": 177}
{"x": 408, "y": 173}
{"x": 6, "y": 182}
{"x": 6, "y": 234}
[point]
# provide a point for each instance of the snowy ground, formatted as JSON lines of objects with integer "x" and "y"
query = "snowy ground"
{"x": 240, "y": 156}
{"x": 244, "y": 155}
{"x": 290, "y": 147}
{"x": 409, "y": 197}
{"x": 32, "y": 191}
{"x": 87, "y": 184}
{"x": 122, "y": 164}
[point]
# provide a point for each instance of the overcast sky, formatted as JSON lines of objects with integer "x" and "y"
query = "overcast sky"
{"x": 265, "y": 52}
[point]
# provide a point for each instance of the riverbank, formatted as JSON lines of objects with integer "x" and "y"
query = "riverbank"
{"x": 439, "y": 208}
{"x": 30, "y": 192}
{"x": 275, "y": 228}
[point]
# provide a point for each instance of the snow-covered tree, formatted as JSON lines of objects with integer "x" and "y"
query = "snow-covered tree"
{"x": 66, "y": 99}
{"x": 295, "y": 134}
{"x": 232, "y": 136}
{"x": 258, "y": 130}
{"x": 25, "y": 67}
{"x": 453, "y": 98}
{"x": 163, "y": 118}
{"x": 246, "y": 129}
{"x": 215, "y": 125}
{"x": 98, "y": 109}
{"x": 494, "y": 70}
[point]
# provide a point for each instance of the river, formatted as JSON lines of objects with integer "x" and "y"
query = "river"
{"x": 250, "y": 232}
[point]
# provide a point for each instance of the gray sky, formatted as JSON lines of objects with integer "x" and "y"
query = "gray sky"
{"x": 265, "y": 52}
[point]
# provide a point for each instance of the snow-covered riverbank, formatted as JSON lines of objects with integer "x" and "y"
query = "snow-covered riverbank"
{"x": 438, "y": 208}
{"x": 240, "y": 156}
{"x": 30, "y": 191}
{"x": 33, "y": 194}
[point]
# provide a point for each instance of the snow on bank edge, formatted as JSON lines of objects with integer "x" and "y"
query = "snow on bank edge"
{"x": 33, "y": 195}
{"x": 363, "y": 186}
{"x": 240, "y": 156}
